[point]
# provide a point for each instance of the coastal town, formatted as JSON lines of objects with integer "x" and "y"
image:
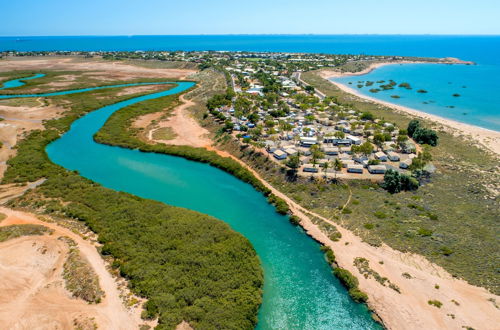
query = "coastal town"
{"x": 300, "y": 128}
{"x": 270, "y": 107}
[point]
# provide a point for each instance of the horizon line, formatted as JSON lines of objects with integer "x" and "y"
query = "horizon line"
{"x": 252, "y": 34}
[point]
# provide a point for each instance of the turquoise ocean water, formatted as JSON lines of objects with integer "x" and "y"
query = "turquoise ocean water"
{"x": 478, "y": 105}
{"x": 476, "y": 99}
{"x": 300, "y": 291}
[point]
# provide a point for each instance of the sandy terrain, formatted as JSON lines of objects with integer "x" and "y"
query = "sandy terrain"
{"x": 485, "y": 137}
{"x": 186, "y": 128}
{"x": 18, "y": 120}
{"x": 408, "y": 310}
{"x": 111, "y": 70}
{"x": 32, "y": 291}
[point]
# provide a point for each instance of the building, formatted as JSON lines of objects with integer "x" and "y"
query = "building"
{"x": 355, "y": 168}
{"x": 405, "y": 163}
{"x": 306, "y": 141}
{"x": 310, "y": 168}
{"x": 377, "y": 169}
{"x": 354, "y": 140}
{"x": 290, "y": 151}
{"x": 394, "y": 157}
{"x": 279, "y": 154}
{"x": 381, "y": 156}
{"x": 331, "y": 151}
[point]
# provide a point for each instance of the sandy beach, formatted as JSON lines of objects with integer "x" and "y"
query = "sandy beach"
{"x": 486, "y": 138}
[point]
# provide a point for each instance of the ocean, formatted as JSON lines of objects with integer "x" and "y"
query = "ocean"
{"x": 478, "y": 103}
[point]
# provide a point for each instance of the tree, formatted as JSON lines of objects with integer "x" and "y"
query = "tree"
{"x": 339, "y": 134}
{"x": 392, "y": 182}
{"x": 228, "y": 125}
{"x": 325, "y": 167}
{"x": 402, "y": 140}
{"x": 395, "y": 182}
{"x": 366, "y": 148}
{"x": 378, "y": 139}
{"x": 316, "y": 154}
{"x": 367, "y": 116}
{"x": 294, "y": 163}
{"x": 425, "y": 136}
{"x": 337, "y": 166}
{"x": 309, "y": 89}
{"x": 423, "y": 158}
{"x": 412, "y": 127}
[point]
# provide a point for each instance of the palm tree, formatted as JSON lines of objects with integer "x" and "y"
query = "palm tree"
{"x": 325, "y": 166}
{"x": 337, "y": 166}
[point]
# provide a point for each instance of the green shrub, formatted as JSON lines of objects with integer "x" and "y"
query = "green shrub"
{"x": 380, "y": 215}
{"x": 426, "y": 136}
{"x": 435, "y": 303}
{"x": 358, "y": 295}
{"x": 346, "y": 278}
{"x": 346, "y": 210}
{"x": 294, "y": 220}
{"x": 330, "y": 256}
{"x": 369, "y": 225}
{"x": 446, "y": 251}
{"x": 424, "y": 232}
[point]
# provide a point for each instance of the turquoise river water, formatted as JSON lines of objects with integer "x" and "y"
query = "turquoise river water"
{"x": 300, "y": 291}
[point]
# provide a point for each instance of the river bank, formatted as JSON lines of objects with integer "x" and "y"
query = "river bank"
{"x": 393, "y": 314}
{"x": 26, "y": 267}
{"x": 486, "y": 138}
{"x": 397, "y": 310}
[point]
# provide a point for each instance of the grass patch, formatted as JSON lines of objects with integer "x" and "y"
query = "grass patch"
{"x": 164, "y": 133}
{"x": 15, "y": 231}
{"x": 80, "y": 278}
{"x": 363, "y": 266}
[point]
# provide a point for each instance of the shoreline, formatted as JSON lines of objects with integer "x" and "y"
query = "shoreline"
{"x": 395, "y": 310}
{"x": 487, "y": 138}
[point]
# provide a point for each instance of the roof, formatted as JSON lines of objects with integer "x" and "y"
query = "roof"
{"x": 377, "y": 167}
{"x": 279, "y": 153}
{"x": 290, "y": 151}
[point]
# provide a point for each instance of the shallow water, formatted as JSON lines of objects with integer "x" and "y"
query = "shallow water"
{"x": 19, "y": 82}
{"x": 299, "y": 290}
{"x": 477, "y": 103}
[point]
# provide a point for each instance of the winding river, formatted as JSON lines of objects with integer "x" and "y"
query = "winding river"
{"x": 300, "y": 291}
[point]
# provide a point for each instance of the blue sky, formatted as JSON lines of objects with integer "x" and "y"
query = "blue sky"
{"x": 134, "y": 17}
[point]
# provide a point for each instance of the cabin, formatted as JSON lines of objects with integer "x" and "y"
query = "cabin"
{"x": 331, "y": 151}
{"x": 377, "y": 169}
{"x": 310, "y": 168}
{"x": 381, "y": 156}
{"x": 342, "y": 142}
{"x": 348, "y": 162}
{"x": 355, "y": 168}
{"x": 405, "y": 163}
{"x": 354, "y": 140}
{"x": 279, "y": 154}
{"x": 394, "y": 157}
{"x": 290, "y": 151}
{"x": 306, "y": 141}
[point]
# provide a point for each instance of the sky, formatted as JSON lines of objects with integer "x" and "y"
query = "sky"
{"x": 167, "y": 17}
